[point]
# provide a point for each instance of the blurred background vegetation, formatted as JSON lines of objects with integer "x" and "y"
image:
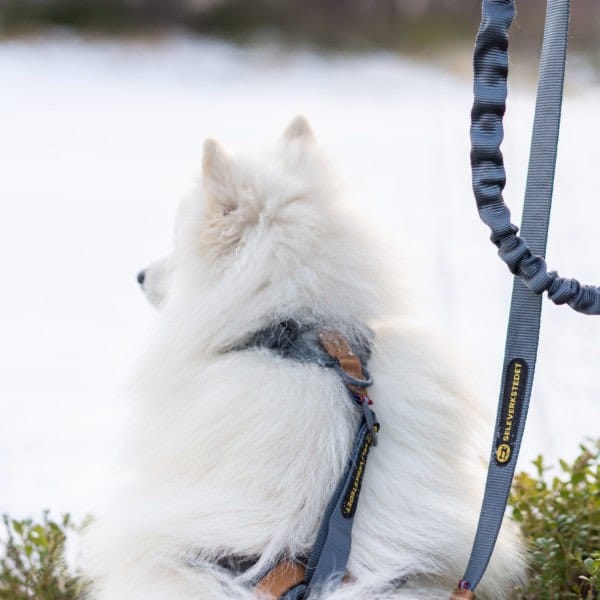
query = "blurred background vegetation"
{"x": 558, "y": 511}
{"x": 408, "y": 26}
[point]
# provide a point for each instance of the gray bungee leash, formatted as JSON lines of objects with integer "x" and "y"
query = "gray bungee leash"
{"x": 523, "y": 255}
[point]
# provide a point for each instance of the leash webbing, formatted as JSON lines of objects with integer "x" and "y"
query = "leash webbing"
{"x": 524, "y": 259}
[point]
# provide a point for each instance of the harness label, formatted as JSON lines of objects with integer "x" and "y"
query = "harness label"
{"x": 510, "y": 411}
{"x": 351, "y": 498}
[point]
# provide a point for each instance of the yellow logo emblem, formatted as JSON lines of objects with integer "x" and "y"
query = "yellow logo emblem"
{"x": 503, "y": 453}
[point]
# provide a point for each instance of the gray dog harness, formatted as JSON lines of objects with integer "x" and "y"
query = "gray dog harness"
{"x": 301, "y": 578}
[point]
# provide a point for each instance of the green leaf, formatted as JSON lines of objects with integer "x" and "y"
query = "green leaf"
{"x": 18, "y": 527}
{"x": 589, "y": 565}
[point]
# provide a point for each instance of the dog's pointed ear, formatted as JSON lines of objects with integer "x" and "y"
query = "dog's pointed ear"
{"x": 298, "y": 129}
{"x": 217, "y": 173}
{"x": 215, "y": 163}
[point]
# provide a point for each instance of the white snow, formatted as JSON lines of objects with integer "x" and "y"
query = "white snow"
{"x": 98, "y": 140}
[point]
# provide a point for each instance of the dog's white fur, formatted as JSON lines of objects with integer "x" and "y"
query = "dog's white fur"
{"x": 237, "y": 452}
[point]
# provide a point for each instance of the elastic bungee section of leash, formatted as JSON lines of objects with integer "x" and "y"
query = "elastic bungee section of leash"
{"x": 523, "y": 254}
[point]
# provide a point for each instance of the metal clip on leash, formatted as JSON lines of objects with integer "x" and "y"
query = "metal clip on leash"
{"x": 525, "y": 259}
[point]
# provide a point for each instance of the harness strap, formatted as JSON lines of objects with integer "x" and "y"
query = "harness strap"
{"x": 337, "y": 347}
{"x": 281, "y": 579}
{"x": 526, "y": 262}
{"x": 462, "y": 595}
{"x": 326, "y": 565}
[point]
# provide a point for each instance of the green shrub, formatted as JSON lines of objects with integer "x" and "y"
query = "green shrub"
{"x": 560, "y": 519}
{"x": 32, "y": 561}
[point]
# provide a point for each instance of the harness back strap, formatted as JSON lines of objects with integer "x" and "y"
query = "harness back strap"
{"x": 328, "y": 559}
{"x": 525, "y": 258}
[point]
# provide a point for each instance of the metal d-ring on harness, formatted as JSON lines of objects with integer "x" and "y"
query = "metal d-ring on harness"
{"x": 524, "y": 256}
{"x": 326, "y": 565}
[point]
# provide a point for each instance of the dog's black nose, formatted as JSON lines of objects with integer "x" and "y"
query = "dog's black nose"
{"x": 140, "y": 277}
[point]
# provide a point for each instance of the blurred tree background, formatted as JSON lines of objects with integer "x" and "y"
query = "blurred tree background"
{"x": 416, "y": 26}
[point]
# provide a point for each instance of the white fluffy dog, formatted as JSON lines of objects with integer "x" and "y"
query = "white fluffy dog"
{"x": 236, "y": 452}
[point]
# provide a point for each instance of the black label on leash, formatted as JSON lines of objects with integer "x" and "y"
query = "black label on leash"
{"x": 510, "y": 412}
{"x": 358, "y": 471}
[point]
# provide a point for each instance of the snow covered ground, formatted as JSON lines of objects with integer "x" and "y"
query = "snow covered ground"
{"x": 98, "y": 140}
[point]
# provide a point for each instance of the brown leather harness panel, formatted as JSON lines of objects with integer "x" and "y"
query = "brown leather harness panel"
{"x": 462, "y": 595}
{"x": 281, "y": 579}
{"x": 337, "y": 347}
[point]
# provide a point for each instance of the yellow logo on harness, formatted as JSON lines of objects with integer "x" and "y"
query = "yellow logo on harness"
{"x": 349, "y": 503}
{"x": 503, "y": 453}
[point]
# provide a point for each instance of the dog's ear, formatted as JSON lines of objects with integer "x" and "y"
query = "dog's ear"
{"x": 215, "y": 163}
{"x": 298, "y": 129}
{"x": 217, "y": 172}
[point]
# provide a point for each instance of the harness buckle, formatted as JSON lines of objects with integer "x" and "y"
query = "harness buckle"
{"x": 359, "y": 382}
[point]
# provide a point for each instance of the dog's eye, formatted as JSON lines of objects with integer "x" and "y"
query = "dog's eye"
{"x": 226, "y": 211}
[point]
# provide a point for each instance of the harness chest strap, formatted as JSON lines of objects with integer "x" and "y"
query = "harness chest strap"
{"x": 289, "y": 580}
